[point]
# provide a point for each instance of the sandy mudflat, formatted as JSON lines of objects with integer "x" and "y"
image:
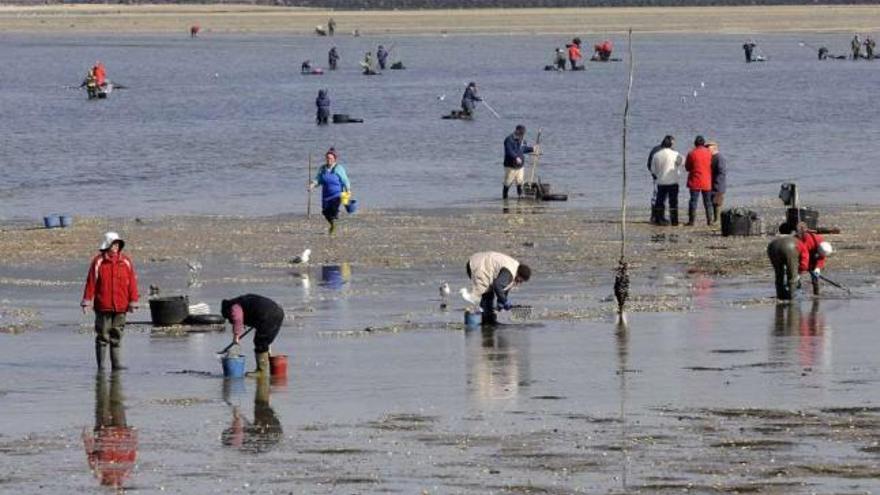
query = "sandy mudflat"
{"x": 251, "y": 19}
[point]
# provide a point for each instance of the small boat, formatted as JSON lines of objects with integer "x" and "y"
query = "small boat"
{"x": 99, "y": 92}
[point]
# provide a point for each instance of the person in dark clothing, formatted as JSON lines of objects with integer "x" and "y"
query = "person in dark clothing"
{"x": 870, "y": 44}
{"x": 331, "y": 26}
{"x": 719, "y": 178}
{"x": 748, "y": 49}
{"x": 262, "y": 314}
{"x": 306, "y": 67}
{"x": 823, "y": 53}
{"x": 492, "y": 276}
{"x": 654, "y": 151}
{"x": 784, "y": 256}
{"x": 515, "y": 149}
{"x": 856, "y": 45}
{"x": 332, "y": 58}
{"x": 382, "y": 57}
{"x": 323, "y": 104}
{"x": 469, "y": 99}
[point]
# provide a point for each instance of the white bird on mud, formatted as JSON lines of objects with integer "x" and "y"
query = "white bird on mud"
{"x": 194, "y": 266}
{"x": 441, "y": 97}
{"x": 302, "y": 258}
{"x": 444, "y": 290}
{"x": 467, "y": 296}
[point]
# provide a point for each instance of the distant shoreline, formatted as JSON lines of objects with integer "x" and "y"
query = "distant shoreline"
{"x": 243, "y": 19}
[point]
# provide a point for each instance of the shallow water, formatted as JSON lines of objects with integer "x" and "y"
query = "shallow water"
{"x": 727, "y": 396}
{"x": 224, "y": 124}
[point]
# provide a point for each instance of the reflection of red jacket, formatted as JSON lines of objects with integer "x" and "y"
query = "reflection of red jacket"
{"x": 111, "y": 283}
{"x": 699, "y": 167}
{"x": 112, "y": 452}
{"x": 809, "y": 251}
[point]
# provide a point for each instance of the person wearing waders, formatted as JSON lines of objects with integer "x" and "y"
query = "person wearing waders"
{"x": 654, "y": 150}
{"x": 870, "y": 44}
{"x": 332, "y": 58}
{"x": 515, "y": 149}
{"x": 856, "y": 46}
{"x": 805, "y": 251}
{"x": 261, "y": 314}
{"x": 666, "y": 169}
{"x": 469, "y": 99}
{"x": 560, "y": 59}
{"x": 748, "y": 49}
{"x": 719, "y": 179}
{"x": 111, "y": 291}
{"x": 699, "y": 167}
{"x": 493, "y": 275}
{"x": 323, "y": 104}
{"x": 334, "y": 182}
{"x": 382, "y": 57}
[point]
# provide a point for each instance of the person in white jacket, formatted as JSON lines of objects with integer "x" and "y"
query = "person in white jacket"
{"x": 493, "y": 275}
{"x": 666, "y": 165}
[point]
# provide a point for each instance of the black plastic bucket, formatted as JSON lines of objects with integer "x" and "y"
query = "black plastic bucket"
{"x": 165, "y": 311}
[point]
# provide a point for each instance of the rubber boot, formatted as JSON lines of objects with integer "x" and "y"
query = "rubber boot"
{"x": 116, "y": 358}
{"x": 332, "y": 228}
{"x": 504, "y": 192}
{"x": 519, "y": 191}
{"x": 673, "y": 217}
{"x": 99, "y": 354}
{"x": 262, "y": 365}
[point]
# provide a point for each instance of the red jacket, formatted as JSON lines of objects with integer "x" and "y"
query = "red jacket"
{"x": 699, "y": 167}
{"x": 111, "y": 283}
{"x": 809, "y": 250}
{"x": 574, "y": 52}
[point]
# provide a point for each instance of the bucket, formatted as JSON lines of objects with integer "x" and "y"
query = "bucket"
{"x": 66, "y": 220}
{"x": 172, "y": 310}
{"x": 233, "y": 367}
{"x": 278, "y": 365}
{"x": 352, "y": 206}
{"x": 52, "y": 221}
{"x": 472, "y": 319}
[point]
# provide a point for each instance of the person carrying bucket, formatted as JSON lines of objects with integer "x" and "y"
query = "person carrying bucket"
{"x": 111, "y": 291}
{"x": 261, "y": 314}
{"x": 334, "y": 185}
{"x": 515, "y": 149}
{"x": 493, "y": 275}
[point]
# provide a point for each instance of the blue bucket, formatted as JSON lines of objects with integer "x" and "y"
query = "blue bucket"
{"x": 66, "y": 220}
{"x": 233, "y": 367}
{"x": 472, "y": 319}
{"x": 52, "y": 221}
{"x": 352, "y": 206}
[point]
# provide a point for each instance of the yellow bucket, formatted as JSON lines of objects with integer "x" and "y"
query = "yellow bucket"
{"x": 346, "y": 197}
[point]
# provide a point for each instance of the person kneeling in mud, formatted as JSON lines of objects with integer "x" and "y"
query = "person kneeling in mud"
{"x": 493, "y": 275}
{"x": 334, "y": 185}
{"x": 260, "y": 313}
{"x": 805, "y": 251}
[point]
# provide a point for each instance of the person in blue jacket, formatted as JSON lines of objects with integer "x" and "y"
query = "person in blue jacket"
{"x": 469, "y": 99}
{"x": 515, "y": 149}
{"x": 382, "y": 56}
{"x": 333, "y": 181}
{"x": 323, "y": 104}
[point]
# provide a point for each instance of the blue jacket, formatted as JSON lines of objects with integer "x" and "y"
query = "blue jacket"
{"x": 513, "y": 149}
{"x": 323, "y": 100}
{"x": 719, "y": 173}
{"x": 382, "y": 55}
{"x": 332, "y": 182}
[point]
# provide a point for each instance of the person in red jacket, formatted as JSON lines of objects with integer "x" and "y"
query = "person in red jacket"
{"x": 699, "y": 168}
{"x": 813, "y": 251}
{"x": 574, "y": 54}
{"x": 100, "y": 73}
{"x": 111, "y": 290}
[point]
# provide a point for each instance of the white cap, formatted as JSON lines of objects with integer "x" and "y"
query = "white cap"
{"x": 109, "y": 239}
{"x": 825, "y": 248}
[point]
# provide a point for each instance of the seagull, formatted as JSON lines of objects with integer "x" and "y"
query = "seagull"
{"x": 444, "y": 290}
{"x": 302, "y": 259}
{"x": 441, "y": 97}
{"x": 194, "y": 266}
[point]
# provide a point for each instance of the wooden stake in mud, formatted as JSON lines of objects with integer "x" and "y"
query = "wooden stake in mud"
{"x": 535, "y": 158}
{"x": 309, "y": 189}
{"x": 621, "y": 278}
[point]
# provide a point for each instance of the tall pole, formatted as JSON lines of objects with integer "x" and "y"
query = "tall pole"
{"x": 309, "y": 188}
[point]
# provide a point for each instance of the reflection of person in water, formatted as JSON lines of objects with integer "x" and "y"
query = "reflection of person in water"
{"x": 111, "y": 447}
{"x": 335, "y": 276}
{"x": 260, "y": 435}
{"x": 498, "y": 364}
{"x": 809, "y": 329}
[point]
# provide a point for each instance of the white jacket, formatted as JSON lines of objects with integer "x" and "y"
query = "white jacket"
{"x": 485, "y": 268}
{"x": 666, "y": 166}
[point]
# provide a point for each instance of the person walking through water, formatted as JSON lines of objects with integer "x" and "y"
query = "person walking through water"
{"x": 719, "y": 179}
{"x": 805, "y": 251}
{"x": 515, "y": 149}
{"x": 111, "y": 291}
{"x": 332, "y": 58}
{"x": 334, "y": 184}
{"x": 699, "y": 167}
{"x": 382, "y": 57}
{"x": 469, "y": 99}
{"x": 493, "y": 275}
{"x": 323, "y": 104}
{"x": 262, "y": 314}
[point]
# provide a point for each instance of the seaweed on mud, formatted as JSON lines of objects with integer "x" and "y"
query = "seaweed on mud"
{"x": 755, "y": 413}
{"x": 851, "y": 410}
{"x": 548, "y": 397}
{"x": 845, "y": 471}
{"x": 403, "y": 422}
{"x": 731, "y": 351}
{"x": 753, "y": 444}
{"x": 337, "y": 451}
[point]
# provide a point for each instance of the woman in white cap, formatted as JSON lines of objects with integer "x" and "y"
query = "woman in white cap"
{"x": 111, "y": 291}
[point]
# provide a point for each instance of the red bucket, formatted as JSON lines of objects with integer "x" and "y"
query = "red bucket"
{"x": 278, "y": 365}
